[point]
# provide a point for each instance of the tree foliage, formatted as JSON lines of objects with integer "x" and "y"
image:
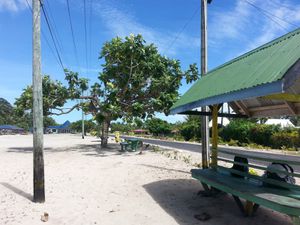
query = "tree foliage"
{"x": 158, "y": 126}
{"x": 6, "y": 112}
{"x": 89, "y": 125}
{"x": 55, "y": 95}
{"x": 191, "y": 128}
{"x": 136, "y": 80}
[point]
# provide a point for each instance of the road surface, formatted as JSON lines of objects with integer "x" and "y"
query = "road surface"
{"x": 194, "y": 147}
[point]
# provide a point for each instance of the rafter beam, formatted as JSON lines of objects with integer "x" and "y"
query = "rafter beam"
{"x": 269, "y": 107}
{"x": 284, "y": 96}
{"x": 241, "y": 105}
{"x": 291, "y": 107}
{"x": 200, "y": 113}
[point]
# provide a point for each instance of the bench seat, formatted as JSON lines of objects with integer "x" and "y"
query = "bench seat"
{"x": 281, "y": 200}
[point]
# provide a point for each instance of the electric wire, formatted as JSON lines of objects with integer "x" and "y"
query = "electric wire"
{"x": 52, "y": 36}
{"x": 181, "y": 30}
{"x": 270, "y": 16}
{"x": 72, "y": 33}
{"x": 85, "y": 33}
{"x": 44, "y": 36}
{"x": 54, "y": 27}
{"x": 90, "y": 31}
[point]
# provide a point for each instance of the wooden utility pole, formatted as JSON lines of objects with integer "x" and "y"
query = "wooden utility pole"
{"x": 82, "y": 118}
{"x": 204, "y": 121}
{"x": 38, "y": 131}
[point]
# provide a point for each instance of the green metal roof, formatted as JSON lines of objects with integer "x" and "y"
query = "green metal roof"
{"x": 263, "y": 65}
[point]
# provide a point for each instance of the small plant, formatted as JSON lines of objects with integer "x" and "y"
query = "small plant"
{"x": 156, "y": 149}
{"x": 186, "y": 159}
{"x": 233, "y": 142}
{"x": 198, "y": 165}
{"x": 175, "y": 156}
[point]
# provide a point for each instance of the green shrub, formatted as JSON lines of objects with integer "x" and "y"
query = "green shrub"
{"x": 233, "y": 143}
{"x": 238, "y": 130}
{"x": 261, "y": 134}
{"x": 158, "y": 126}
{"x": 285, "y": 139}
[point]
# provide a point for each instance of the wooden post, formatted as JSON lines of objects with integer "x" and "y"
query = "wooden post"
{"x": 82, "y": 123}
{"x": 38, "y": 131}
{"x": 214, "y": 152}
{"x": 204, "y": 121}
{"x": 249, "y": 208}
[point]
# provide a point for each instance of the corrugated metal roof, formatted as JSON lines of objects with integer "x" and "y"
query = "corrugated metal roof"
{"x": 263, "y": 65}
{"x": 10, "y": 127}
{"x": 65, "y": 125}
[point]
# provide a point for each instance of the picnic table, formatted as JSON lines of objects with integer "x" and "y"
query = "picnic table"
{"x": 133, "y": 143}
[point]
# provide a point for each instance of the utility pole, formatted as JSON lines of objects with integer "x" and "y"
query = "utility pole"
{"x": 82, "y": 126}
{"x": 82, "y": 118}
{"x": 204, "y": 121}
{"x": 38, "y": 131}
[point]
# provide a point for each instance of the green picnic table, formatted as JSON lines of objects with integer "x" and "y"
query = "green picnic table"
{"x": 134, "y": 144}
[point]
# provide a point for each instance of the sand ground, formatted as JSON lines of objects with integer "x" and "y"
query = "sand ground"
{"x": 89, "y": 185}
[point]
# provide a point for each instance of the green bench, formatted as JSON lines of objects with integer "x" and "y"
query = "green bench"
{"x": 278, "y": 196}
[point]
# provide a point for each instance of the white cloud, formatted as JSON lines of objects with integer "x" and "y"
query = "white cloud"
{"x": 13, "y": 5}
{"x": 122, "y": 23}
{"x": 288, "y": 12}
{"x": 229, "y": 23}
{"x": 250, "y": 27}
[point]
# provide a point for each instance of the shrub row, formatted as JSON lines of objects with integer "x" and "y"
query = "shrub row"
{"x": 247, "y": 132}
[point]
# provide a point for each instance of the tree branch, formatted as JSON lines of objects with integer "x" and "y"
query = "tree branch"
{"x": 64, "y": 112}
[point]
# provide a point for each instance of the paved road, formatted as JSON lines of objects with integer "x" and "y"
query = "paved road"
{"x": 197, "y": 148}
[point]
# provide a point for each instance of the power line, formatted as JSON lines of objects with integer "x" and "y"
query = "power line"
{"x": 72, "y": 32}
{"x": 182, "y": 29}
{"x": 54, "y": 28}
{"x": 270, "y": 15}
{"x": 90, "y": 31}
{"x": 44, "y": 36}
{"x": 52, "y": 37}
{"x": 85, "y": 33}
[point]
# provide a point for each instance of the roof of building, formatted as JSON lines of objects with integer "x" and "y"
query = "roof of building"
{"x": 282, "y": 122}
{"x": 10, "y": 127}
{"x": 254, "y": 74}
{"x": 65, "y": 125}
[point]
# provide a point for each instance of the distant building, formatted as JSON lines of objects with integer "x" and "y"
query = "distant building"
{"x": 223, "y": 123}
{"x": 283, "y": 123}
{"x": 60, "y": 129}
{"x": 11, "y": 129}
{"x": 140, "y": 131}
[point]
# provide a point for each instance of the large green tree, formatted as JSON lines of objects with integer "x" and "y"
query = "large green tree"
{"x": 6, "y": 112}
{"x": 136, "y": 81}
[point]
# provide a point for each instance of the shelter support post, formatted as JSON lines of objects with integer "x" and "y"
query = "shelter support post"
{"x": 214, "y": 152}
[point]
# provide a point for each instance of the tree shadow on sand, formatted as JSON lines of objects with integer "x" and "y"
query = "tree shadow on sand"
{"x": 94, "y": 149}
{"x": 180, "y": 199}
{"x": 17, "y": 190}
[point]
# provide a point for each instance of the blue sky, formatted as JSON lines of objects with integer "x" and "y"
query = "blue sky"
{"x": 234, "y": 27}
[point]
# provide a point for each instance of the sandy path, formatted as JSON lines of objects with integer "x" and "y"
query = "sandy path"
{"x": 89, "y": 185}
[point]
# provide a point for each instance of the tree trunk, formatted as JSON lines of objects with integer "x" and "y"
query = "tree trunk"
{"x": 104, "y": 133}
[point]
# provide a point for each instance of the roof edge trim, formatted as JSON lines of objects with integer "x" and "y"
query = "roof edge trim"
{"x": 257, "y": 91}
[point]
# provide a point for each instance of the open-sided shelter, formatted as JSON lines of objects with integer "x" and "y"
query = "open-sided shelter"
{"x": 263, "y": 82}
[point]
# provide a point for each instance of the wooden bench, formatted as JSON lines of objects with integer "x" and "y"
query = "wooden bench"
{"x": 278, "y": 196}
